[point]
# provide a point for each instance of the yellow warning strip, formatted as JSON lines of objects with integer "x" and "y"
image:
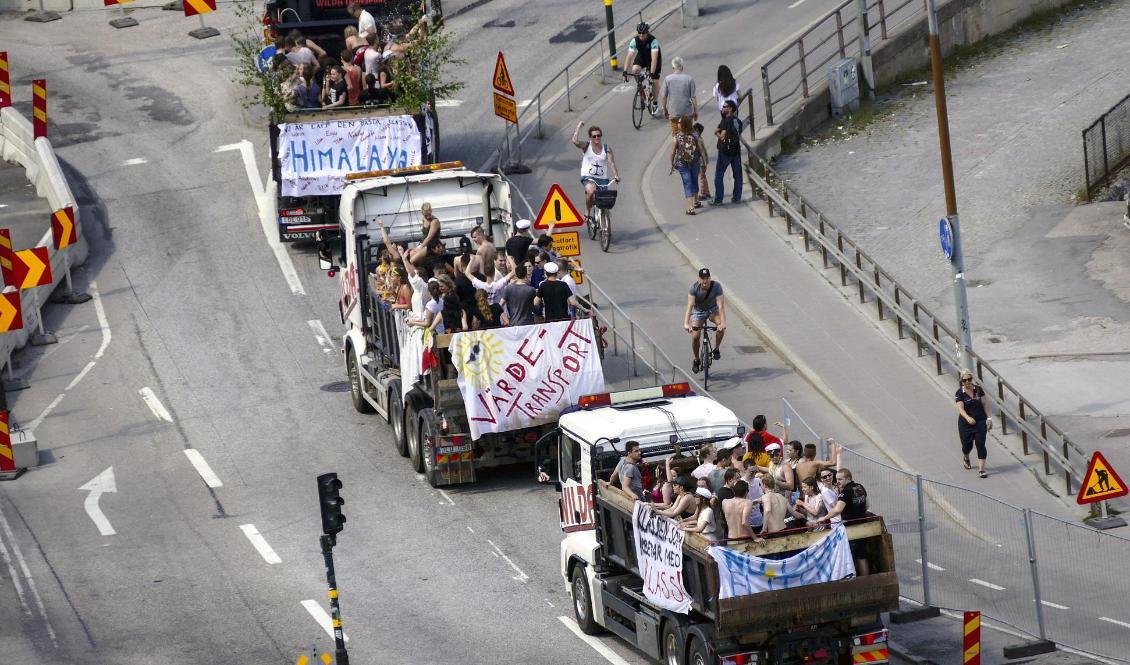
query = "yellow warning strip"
{"x": 200, "y": 6}
{"x": 972, "y": 625}
{"x": 40, "y": 115}
{"x": 6, "y": 452}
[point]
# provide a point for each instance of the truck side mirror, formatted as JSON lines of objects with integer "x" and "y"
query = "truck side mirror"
{"x": 545, "y": 456}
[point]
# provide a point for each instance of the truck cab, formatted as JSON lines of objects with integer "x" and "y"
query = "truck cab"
{"x": 835, "y": 622}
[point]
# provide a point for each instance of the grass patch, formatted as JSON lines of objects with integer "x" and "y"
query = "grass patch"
{"x": 854, "y": 122}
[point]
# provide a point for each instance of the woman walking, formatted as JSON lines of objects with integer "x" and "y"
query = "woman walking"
{"x": 685, "y": 158}
{"x": 726, "y": 88}
{"x": 974, "y": 421}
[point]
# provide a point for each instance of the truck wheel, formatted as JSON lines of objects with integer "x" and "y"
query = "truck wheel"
{"x": 672, "y": 644}
{"x": 582, "y": 604}
{"x": 415, "y": 444}
{"x": 354, "y": 371}
{"x": 698, "y": 655}
{"x": 396, "y": 419}
{"x": 427, "y": 446}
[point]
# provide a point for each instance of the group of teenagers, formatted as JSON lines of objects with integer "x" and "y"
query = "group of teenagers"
{"x": 748, "y": 490}
{"x": 478, "y": 288}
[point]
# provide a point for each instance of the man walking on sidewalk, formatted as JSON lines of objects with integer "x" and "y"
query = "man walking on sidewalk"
{"x": 679, "y": 96}
{"x": 729, "y": 153}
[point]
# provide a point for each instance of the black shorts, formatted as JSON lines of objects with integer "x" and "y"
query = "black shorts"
{"x": 646, "y": 67}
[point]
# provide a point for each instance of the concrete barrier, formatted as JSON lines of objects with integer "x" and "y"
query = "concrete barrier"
{"x": 38, "y": 159}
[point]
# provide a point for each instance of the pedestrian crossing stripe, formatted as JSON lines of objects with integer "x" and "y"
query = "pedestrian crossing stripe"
{"x": 1101, "y": 482}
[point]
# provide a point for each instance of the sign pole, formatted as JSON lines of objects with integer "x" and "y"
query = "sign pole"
{"x": 13, "y": 384}
{"x": 43, "y": 338}
{"x": 342, "y": 656}
{"x": 204, "y": 31}
{"x": 122, "y": 21}
{"x": 42, "y": 16}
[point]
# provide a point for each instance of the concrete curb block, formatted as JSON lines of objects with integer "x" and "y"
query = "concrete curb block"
{"x": 37, "y": 157}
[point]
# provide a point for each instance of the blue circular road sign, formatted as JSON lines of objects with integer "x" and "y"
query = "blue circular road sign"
{"x": 945, "y": 235}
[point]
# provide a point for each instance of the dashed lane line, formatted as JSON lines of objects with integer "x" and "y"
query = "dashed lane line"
{"x": 135, "y": 161}
{"x": 155, "y": 405}
{"x": 323, "y": 337}
{"x": 521, "y": 576}
{"x": 988, "y": 585}
{"x": 931, "y": 566}
{"x": 205, "y": 471}
{"x": 1115, "y": 622}
{"x": 598, "y": 646}
{"x": 315, "y": 609}
{"x": 260, "y": 543}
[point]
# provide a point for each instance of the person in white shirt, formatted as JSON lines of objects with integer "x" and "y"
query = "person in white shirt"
{"x": 706, "y": 454}
{"x": 366, "y": 24}
{"x": 494, "y": 287}
{"x": 726, "y": 89}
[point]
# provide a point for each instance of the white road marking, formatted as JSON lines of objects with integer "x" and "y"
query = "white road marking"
{"x": 549, "y": 603}
{"x": 98, "y": 485}
{"x": 593, "y": 642}
{"x": 323, "y": 619}
{"x": 264, "y": 200}
{"x": 931, "y": 566}
{"x": 522, "y": 577}
{"x": 155, "y": 405}
{"x": 104, "y": 325}
{"x": 135, "y": 161}
{"x": 796, "y": 4}
{"x": 14, "y": 577}
{"x": 205, "y": 471}
{"x": 27, "y": 576}
{"x": 989, "y": 585}
{"x": 448, "y": 103}
{"x": 1055, "y": 605}
{"x": 446, "y": 496}
{"x": 323, "y": 337}
{"x": 1115, "y": 622}
{"x": 470, "y": 529}
{"x": 260, "y": 543}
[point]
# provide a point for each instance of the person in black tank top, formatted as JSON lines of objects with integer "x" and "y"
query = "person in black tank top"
{"x": 973, "y": 421}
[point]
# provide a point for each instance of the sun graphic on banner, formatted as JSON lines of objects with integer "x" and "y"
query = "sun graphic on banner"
{"x": 478, "y": 357}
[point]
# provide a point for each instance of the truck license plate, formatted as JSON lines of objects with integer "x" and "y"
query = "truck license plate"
{"x": 296, "y": 220}
{"x": 449, "y": 450}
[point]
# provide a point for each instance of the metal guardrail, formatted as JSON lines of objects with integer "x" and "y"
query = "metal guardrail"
{"x": 1106, "y": 146}
{"x": 543, "y": 100}
{"x": 792, "y": 73}
{"x": 913, "y": 320}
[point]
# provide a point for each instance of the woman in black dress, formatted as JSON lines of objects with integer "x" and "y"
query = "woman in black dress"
{"x": 974, "y": 420}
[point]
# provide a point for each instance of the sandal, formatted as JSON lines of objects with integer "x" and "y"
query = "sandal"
{"x": 984, "y": 474}
{"x": 690, "y": 212}
{"x": 965, "y": 460}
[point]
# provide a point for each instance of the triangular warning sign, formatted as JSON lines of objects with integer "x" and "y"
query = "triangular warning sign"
{"x": 1101, "y": 482}
{"x": 502, "y": 82}
{"x": 557, "y": 210}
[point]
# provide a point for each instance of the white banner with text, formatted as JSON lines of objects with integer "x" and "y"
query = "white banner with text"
{"x": 659, "y": 553}
{"x": 523, "y": 376}
{"x": 315, "y": 157}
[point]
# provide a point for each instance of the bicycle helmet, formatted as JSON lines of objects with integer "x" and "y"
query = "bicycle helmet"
{"x": 643, "y": 28}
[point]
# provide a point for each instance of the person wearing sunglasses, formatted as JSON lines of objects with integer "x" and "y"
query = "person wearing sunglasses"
{"x": 598, "y": 165}
{"x": 974, "y": 420}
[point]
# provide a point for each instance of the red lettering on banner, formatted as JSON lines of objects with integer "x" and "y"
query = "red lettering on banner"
{"x": 504, "y": 387}
{"x": 574, "y": 367}
{"x": 577, "y": 350}
{"x": 515, "y": 405}
{"x": 487, "y": 408}
{"x": 525, "y": 356}
{"x": 517, "y": 371}
{"x": 569, "y": 332}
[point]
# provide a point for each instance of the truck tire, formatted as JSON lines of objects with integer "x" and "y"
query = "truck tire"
{"x": 582, "y": 603}
{"x": 396, "y": 419}
{"x": 673, "y": 647}
{"x": 698, "y": 654}
{"x": 415, "y": 445}
{"x": 427, "y": 436}
{"x": 359, "y": 401}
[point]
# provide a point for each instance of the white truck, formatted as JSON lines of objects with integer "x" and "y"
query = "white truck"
{"x": 628, "y": 589}
{"x": 483, "y": 397}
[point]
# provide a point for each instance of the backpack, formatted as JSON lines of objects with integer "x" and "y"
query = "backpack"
{"x": 731, "y": 145}
{"x": 686, "y": 149}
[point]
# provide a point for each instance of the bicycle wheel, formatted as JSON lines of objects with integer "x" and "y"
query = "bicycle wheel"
{"x": 605, "y": 229}
{"x": 705, "y": 358}
{"x": 638, "y": 105}
{"x": 593, "y": 223}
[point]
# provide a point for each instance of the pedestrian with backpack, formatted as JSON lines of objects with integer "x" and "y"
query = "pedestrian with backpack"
{"x": 729, "y": 153}
{"x": 685, "y": 158}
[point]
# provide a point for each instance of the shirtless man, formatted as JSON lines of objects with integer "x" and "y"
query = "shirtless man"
{"x": 774, "y": 507}
{"x": 737, "y": 512}
{"x": 809, "y": 466}
{"x": 486, "y": 253}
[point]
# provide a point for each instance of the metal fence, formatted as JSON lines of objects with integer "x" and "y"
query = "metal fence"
{"x": 1106, "y": 146}
{"x": 790, "y": 76}
{"x": 959, "y": 549}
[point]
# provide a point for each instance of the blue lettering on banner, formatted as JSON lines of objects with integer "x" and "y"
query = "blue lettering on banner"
{"x": 296, "y": 155}
{"x": 315, "y": 157}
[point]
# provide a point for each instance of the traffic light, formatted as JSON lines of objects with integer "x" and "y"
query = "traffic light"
{"x": 329, "y": 498}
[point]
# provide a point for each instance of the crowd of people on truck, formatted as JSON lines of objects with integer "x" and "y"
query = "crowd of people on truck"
{"x": 478, "y": 287}
{"x": 360, "y": 74}
{"x": 750, "y": 489}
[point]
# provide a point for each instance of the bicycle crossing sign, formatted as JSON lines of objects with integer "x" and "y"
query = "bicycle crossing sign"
{"x": 557, "y": 211}
{"x": 1101, "y": 483}
{"x": 501, "y": 78}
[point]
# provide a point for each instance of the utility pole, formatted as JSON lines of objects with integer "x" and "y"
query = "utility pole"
{"x": 610, "y": 22}
{"x": 961, "y": 302}
{"x": 865, "y": 50}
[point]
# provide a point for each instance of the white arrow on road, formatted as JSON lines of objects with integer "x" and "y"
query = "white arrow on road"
{"x": 103, "y": 482}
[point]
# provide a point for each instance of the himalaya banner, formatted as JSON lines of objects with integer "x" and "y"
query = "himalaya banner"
{"x": 523, "y": 376}
{"x": 827, "y": 560}
{"x": 315, "y": 157}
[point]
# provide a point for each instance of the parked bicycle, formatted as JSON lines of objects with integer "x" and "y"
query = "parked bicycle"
{"x": 600, "y": 222}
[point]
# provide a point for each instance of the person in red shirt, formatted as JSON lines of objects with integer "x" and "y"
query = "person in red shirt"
{"x": 756, "y": 448}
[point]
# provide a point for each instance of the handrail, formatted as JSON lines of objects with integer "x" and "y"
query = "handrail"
{"x": 838, "y": 250}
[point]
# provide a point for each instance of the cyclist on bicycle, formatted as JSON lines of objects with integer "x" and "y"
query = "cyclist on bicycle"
{"x": 596, "y": 163}
{"x": 705, "y": 302}
{"x": 644, "y": 55}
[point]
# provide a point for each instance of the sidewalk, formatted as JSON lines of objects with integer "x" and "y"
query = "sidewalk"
{"x": 1049, "y": 280}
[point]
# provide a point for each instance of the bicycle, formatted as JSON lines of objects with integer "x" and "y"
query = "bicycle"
{"x": 600, "y": 222}
{"x": 705, "y": 353}
{"x": 642, "y": 99}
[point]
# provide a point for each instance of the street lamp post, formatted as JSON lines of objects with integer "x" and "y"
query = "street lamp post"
{"x": 961, "y": 302}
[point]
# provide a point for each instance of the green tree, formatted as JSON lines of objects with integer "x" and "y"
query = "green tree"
{"x": 266, "y": 89}
{"x": 419, "y": 74}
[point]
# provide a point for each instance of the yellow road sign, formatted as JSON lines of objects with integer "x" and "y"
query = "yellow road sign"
{"x": 567, "y": 243}
{"x": 1101, "y": 483}
{"x": 502, "y": 82}
{"x": 505, "y": 108}
{"x": 557, "y": 211}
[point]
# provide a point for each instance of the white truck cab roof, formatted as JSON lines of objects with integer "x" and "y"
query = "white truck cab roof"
{"x": 651, "y": 422}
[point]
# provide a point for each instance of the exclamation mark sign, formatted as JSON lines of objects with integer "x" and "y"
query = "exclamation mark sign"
{"x": 557, "y": 209}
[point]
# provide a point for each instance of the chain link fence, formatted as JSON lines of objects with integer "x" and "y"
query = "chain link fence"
{"x": 959, "y": 549}
{"x": 1106, "y": 146}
